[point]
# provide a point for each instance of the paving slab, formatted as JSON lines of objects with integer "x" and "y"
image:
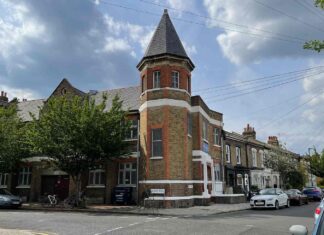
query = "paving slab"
{"x": 191, "y": 211}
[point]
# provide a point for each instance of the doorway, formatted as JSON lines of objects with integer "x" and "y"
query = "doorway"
{"x": 56, "y": 184}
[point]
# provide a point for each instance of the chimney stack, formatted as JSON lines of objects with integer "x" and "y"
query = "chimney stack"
{"x": 249, "y": 132}
{"x": 3, "y": 99}
{"x": 273, "y": 140}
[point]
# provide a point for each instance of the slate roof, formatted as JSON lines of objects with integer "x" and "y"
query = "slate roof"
{"x": 165, "y": 40}
{"x": 129, "y": 95}
{"x": 27, "y": 107}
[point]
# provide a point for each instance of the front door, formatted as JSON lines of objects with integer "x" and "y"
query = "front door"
{"x": 56, "y": 184}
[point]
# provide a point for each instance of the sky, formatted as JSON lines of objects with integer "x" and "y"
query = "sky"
{"x": 249, "y": 57}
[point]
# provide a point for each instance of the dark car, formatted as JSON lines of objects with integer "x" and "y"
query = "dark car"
{"x": 296, "y": 197}
{"x": 8, "y": 200}
{"x": 313, "y": 193}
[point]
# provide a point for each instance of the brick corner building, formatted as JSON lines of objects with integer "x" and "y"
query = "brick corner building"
{"x": 179, "y": 134}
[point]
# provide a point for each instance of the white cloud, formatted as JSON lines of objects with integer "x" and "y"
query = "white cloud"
{"x": 241, "y": 48}
{"x": 190, "y": 49}
{"x": 19, "y": 93}
{"x": 136, "y": 33}
{"x": 116, "y": 44}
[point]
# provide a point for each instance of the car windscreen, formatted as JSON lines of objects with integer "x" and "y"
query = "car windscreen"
{"x": 267, "y": 192}
{"x": 308, "y": 190}
{"x": 4, "y": 192}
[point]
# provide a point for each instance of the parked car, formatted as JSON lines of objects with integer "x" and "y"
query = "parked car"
{"x": 318, "y": 210}
{"x": 317, "y": 230}
{"x": 313, "y": 193}
{"x": 8, "y": 200}
{"x": 270, "y": 198}
{"x": 296, "y": 197}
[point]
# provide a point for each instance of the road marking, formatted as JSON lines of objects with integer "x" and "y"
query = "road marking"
{"x": 108, "y": 231}
{"x": 133, "y": 224}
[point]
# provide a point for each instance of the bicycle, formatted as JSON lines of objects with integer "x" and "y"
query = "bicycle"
{"x": 70, "y": 202}
{"x": 50, "y": 201}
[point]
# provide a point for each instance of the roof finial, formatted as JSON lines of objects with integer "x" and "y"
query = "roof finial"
{"x": 165, "y": 11}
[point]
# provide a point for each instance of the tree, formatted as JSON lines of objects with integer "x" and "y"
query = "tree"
{"x": 79, "y": 135}
{"x": 316, "y": 45}
{"x": 13, "y": 144}
{"x": 295, "y": 179}
{"x": 316, "y": 164}
{"x": 281, "y": 162}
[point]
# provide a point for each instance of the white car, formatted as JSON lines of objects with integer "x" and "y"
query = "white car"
{"x": 270, "y": 198}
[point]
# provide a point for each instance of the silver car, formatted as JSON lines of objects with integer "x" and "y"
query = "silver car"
{"x": 8, "y": 200}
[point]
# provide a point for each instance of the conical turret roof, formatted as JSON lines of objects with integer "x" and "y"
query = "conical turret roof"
{"x": 165, "y": 41}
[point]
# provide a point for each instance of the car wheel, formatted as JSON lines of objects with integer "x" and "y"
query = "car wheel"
{"x": 277, "y": 205}
{"x": 288, "y": 204}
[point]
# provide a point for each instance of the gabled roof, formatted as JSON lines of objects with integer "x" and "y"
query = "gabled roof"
{"x": 165, "y": 41}
{"x": 67, "y": 86}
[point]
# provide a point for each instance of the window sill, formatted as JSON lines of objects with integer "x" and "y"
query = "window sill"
{"x": 206, "y": 141}
{"x": 216, "y": 145}
{"x": 128, "y": 140}
{"x": 3, "y": 186}
{"x": 23, "y": 186}
{"x": 189, "y": 136}
{"x": 126, "y": 185}
{"x": 96, "y": 186}
{"x": 156, "y": 158}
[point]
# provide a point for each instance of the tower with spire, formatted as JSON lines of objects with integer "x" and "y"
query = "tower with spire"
{"x": 168, "y": 118}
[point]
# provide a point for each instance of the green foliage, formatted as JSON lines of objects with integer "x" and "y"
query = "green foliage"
{"x": 319, "y": 3}
{"x": 316, "y": 45}
{"x": 281, "y": 162}
{"x": 295, "y": 179}
{"x": 316, "y": 163}
{"x": 13, "y": 145}
{"x": 78, "y": 134}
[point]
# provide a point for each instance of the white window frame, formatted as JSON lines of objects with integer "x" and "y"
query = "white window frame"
{"x": 228, "y": 153}
{"x": 237, "y": 182}
{"x": 238, "y": 155}
{"x": 26, "y": 176}
{"x": 175, "y": 79}
{"x": 124, "y": 168}
{"x": 189, "y": 124}
{"x": 254, "y": 158}
{"x": 156, "y": 79}
{"x": 132, "y": 128}
{"x": 217, "y": 170}
{"x": 262, "y": 157}
{"x": 4, "y": 180}
{"x": 153, "y": 141}
{"x": 97, "y": 173}
{"x": 216, "y": 135}
{"x": 205, "y": 131}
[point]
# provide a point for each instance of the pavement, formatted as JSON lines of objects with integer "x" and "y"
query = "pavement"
{"x": 191, "y": 211}
{"x": 20, "y": 232}
{"x": 243, "y": 222}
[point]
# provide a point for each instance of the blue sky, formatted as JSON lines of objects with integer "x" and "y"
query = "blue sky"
{"x": 97, "y": 44}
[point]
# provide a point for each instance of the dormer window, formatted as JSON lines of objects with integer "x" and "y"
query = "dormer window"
{"x": 63, "y": 91}
{"x": 156, "y": 79}
{"x": 175, "y": 79}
